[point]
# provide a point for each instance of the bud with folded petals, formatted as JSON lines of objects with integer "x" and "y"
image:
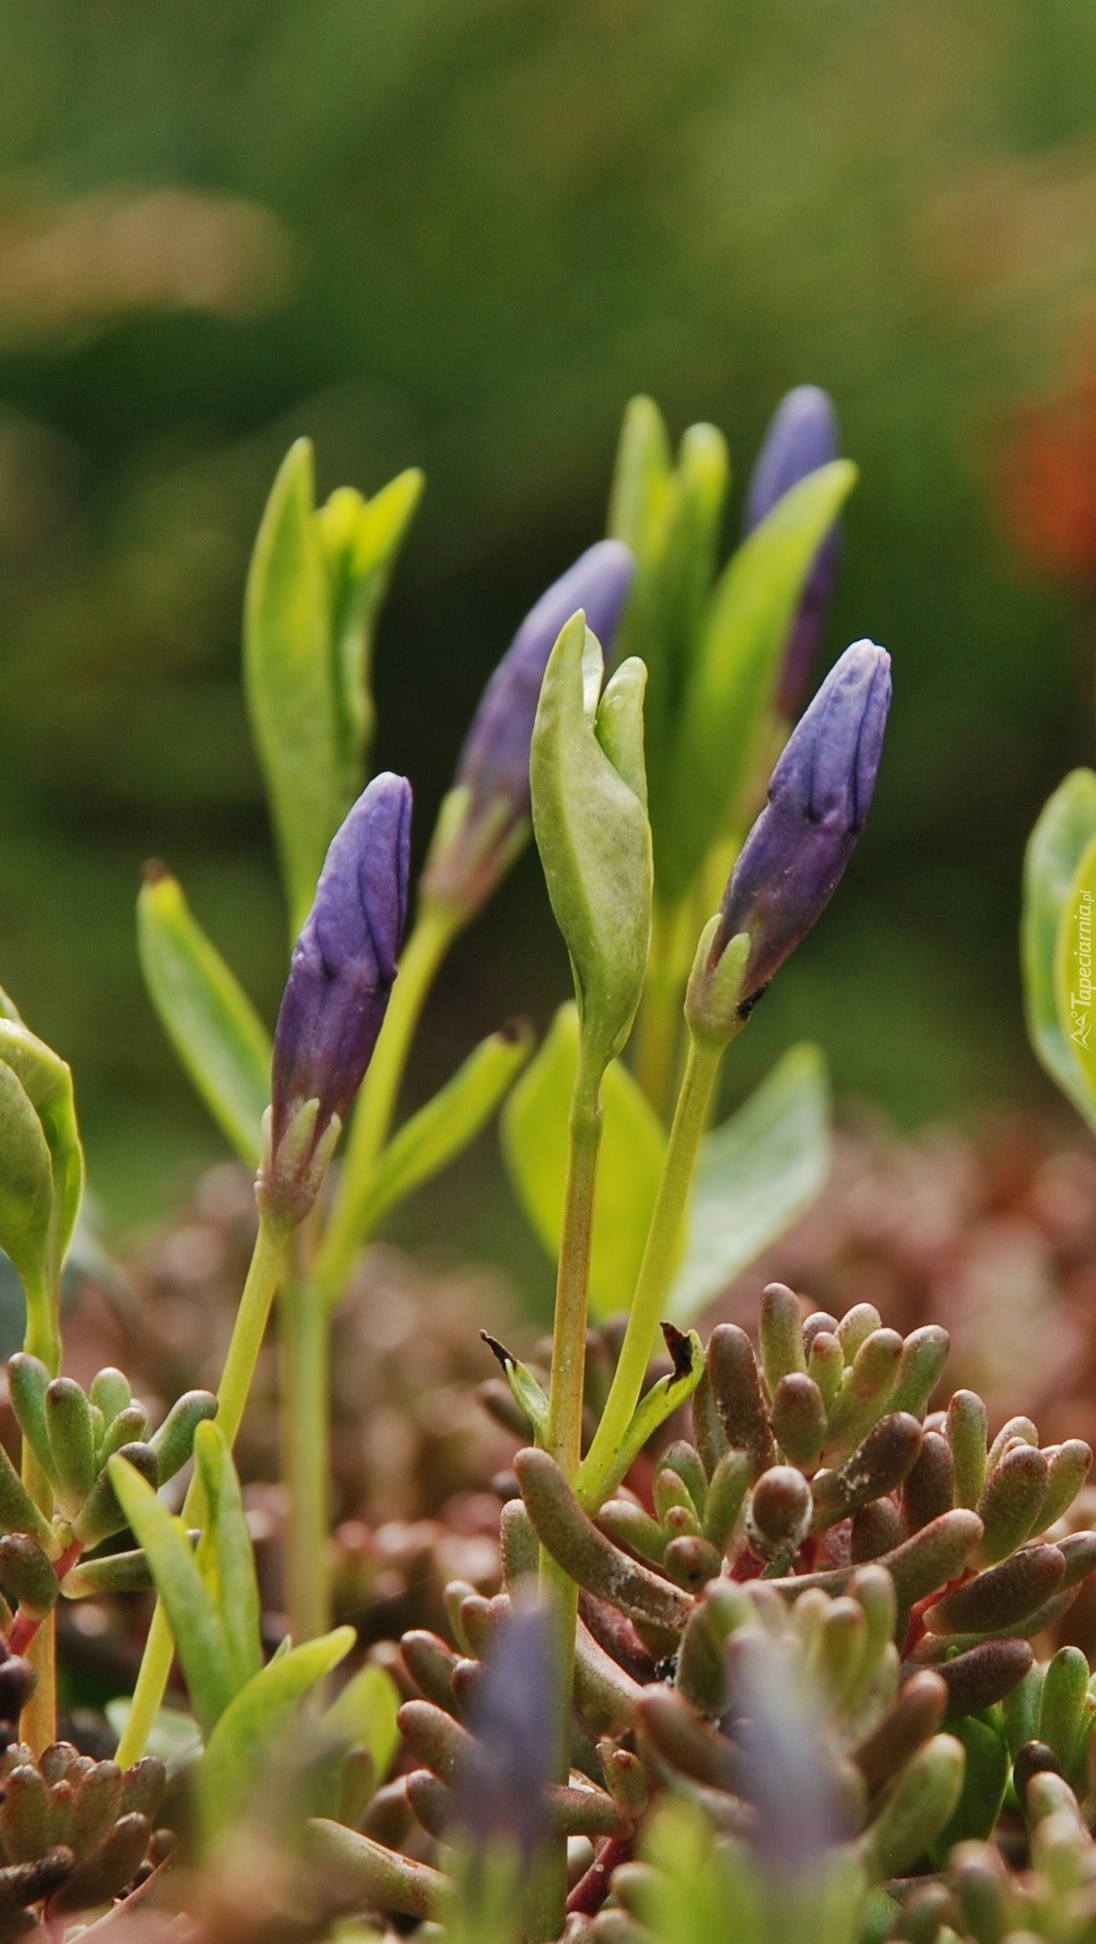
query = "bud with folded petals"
{"x": 336, "y": 996}
{"x": 794, "y": 857}
{"x": 802, "y": 437}
{"x": 485, "y": 818}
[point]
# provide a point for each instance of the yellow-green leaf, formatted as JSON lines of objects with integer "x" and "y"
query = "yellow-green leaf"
{"x": 206, "y": 1014}
{"x": 246, "y": 1736}
{"x": 290, "y": 679}
{"x": 365, "y": 1713}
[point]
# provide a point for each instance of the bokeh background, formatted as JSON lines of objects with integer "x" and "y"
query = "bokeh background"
{"x": 461, "y": 233}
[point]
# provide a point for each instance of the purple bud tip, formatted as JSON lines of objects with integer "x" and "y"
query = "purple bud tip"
{"x": 802, "y": 437}
{"x": 344, "y": 961}
{"x": 501, "y": 1780}
{"x": 792, "y": 861}
{"x": 494, "y": 762}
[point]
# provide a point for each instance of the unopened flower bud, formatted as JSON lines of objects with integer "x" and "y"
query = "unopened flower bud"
{"x": 502, "y": 1773}
{"x": 794, "y": 857}
{"x": 485, "y": 818}
{"x": 336, "y": 996}
{"x": 802, "y": 437}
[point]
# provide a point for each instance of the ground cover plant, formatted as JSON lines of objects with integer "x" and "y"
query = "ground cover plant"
{"x": 774, "y": 1651}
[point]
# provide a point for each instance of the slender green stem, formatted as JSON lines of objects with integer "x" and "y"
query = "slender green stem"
{"x": 434, "y": 931}
{"x": 38, "y": 1722}
{"x": 658, "y": 1027}
{"x": 305, "y": 1361}
{"x": 564, "y": 1440}
{"x": 243, "y": 1352}
{"x": 656, "y": 1269}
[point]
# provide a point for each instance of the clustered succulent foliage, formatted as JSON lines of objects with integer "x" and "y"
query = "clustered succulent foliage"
{"x": 774, "y": 1650}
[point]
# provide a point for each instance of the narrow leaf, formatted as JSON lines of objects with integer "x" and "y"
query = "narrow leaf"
{"x": 290, "y": 679}
{"x": 207, "y": 1016}
{"x": 226, "y": 1559}
{"x": 737, "y": 668}
{"x": 445, "y": 1126}
{"x": 361, "y": 539}
{"x": 195, "y": 1623}
{"x": 1065, "y": 828}
{"x": 534, "y": 1143}
{"x": 243, "y": 1739}
{"x": 757, "y": 1174}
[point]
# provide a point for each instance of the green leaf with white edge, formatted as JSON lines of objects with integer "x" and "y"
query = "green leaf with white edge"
{"x": 735, "y": 674}
{"x": 445, "y": 1126}
{"x": 633, "y": 1144}
{"x": 590, "y": 821}
{"x": 195, "y": 1622}
{"x": 226, "y": 1557}
{"x": 290, "y": 680}
{"x": 364, "y": 1715}
{"x": 1066, "y": 827}
{"x": 1073, "y": 976}
{"x": 47, "y": 1081}
{"x": 757, "y": 1174}
{"x": 361, "y": 539}
{"x": 208, "y": 1017}
{"x": 248, "y": 1731}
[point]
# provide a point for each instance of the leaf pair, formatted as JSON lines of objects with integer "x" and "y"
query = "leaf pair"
{"x": 756, "y": 1175}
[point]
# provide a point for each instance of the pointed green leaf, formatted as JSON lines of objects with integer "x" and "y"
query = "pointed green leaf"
{"x": 534, "y": 1144}
{"x": 207, "y": 1016}
{"x": 365, "y": 1714}
{"x": 290, "y": 679}
{"x": 732, "y": 683}
{"x": 757, "y": 1174}
{"x": 195, "y": 1623}
{"x": 226, "y": 1558}
{"x": 443, "y": 1128}
{"x": 246, "y": 1734}
{"x": 361, "y": 539}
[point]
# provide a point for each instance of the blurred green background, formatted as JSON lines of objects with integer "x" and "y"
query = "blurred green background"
{"x": 460, "y": 233}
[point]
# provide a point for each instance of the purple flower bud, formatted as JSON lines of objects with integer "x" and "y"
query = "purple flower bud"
{"x": 467, "y": 862}
{"x": 336, "y": 995}
{"x": 779, "y": 1734}
{"x": 501, "y": 1780}
{"x": 792, "y": 860}
{"x": 802, "y": 437}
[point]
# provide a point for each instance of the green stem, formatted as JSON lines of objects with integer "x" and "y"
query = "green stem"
{"x": 305, "y": 1362}
{"x": 434, "y": 931}
{"x": 38, "y": 1722}
{"x": 243, "y": 1352}
{"x": 658, "y": 1027}
{"x": 563, "y": 1439}
{"x": 657, "y": 1267}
